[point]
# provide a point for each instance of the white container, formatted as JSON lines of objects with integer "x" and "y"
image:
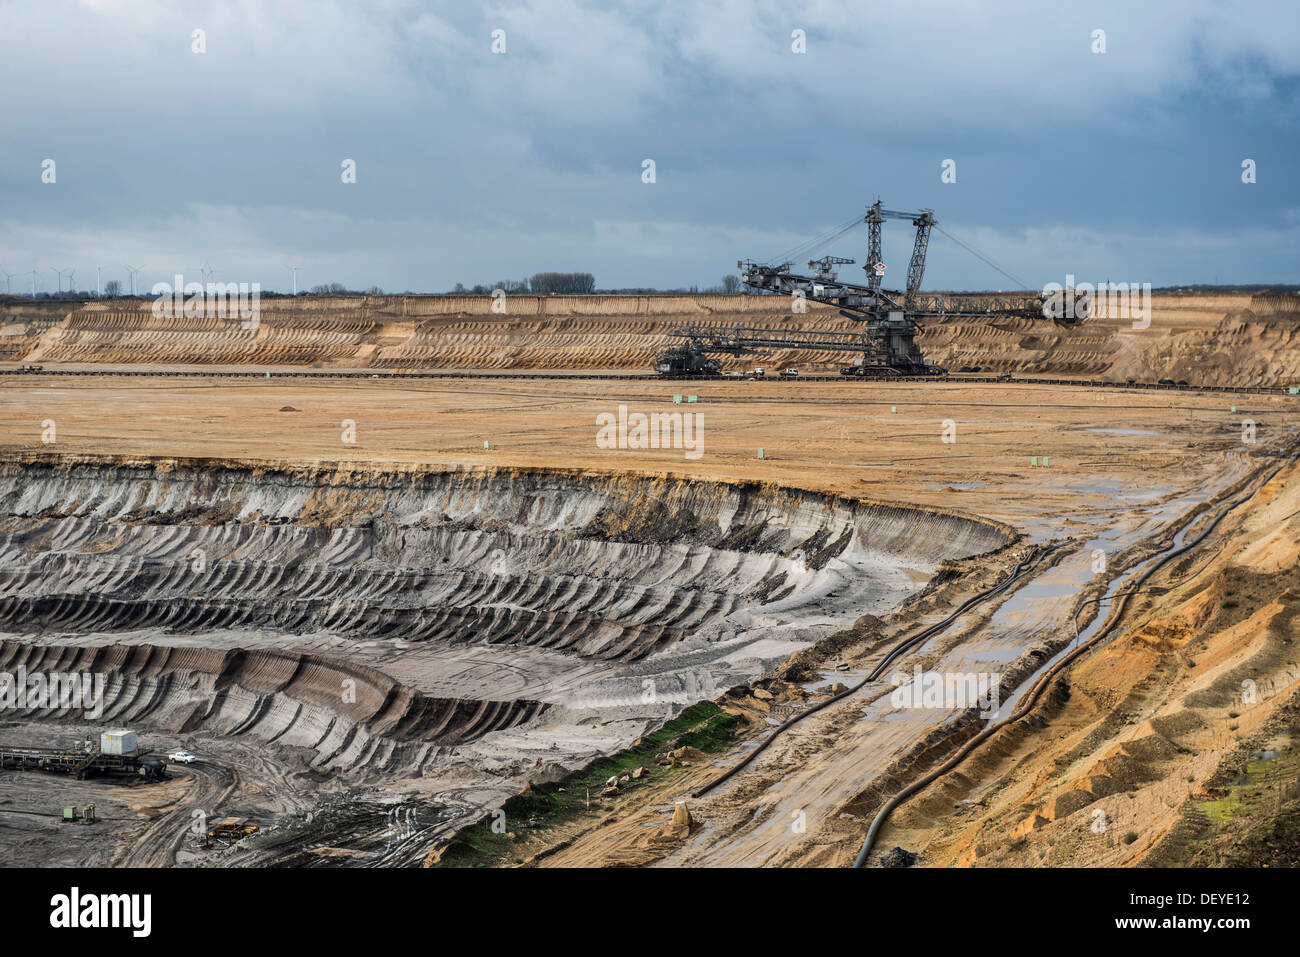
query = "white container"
{"x": 118, "y": 742}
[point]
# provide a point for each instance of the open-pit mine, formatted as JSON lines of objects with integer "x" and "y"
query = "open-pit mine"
{"x": 368, "y": 589}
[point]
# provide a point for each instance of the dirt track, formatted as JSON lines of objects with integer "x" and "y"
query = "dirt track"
{"x": 808, "y": 800}
{"x": 1148, "y": 757}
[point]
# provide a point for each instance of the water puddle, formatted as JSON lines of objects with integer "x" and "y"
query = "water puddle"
{"x": 1121, "y": 492}
{"x": 1122, "y": 583}
{"x": 849, "y": 677}
{"x": 999, "y": 656}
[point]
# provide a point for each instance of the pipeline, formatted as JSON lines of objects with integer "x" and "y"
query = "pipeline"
{"x": 1040, "y": 686}
{"x": 1026, "y": 565}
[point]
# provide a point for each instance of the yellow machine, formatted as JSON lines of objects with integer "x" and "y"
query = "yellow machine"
{"x": 231, "y": 828}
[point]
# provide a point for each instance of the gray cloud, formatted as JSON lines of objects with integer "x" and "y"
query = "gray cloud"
{"x": 475, "y": 167}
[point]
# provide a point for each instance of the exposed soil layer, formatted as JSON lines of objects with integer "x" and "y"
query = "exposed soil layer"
{"x": 1233, "y": 339}
{"x": 809, "y": 799}
{"x": 1106, "y": 447}
{"x": 611, "y": 587}
{"x": 350, "y": 715}
{"x": 478, "y": 626}
{"x": 588, "y": 566}
{"x": 1172, "y": 745}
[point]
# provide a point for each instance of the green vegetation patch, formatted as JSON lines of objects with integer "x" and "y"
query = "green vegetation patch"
{"x": 1263, "y": 782}
{"x": 703, "y": 726}
{"x": 1252, "y": 820}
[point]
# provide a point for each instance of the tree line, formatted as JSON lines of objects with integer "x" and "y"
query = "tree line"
{"x": 581, "y": 284}
{"x": 542, "y": 283}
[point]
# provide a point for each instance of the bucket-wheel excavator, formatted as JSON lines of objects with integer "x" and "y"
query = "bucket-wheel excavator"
{"x": 886, "y": 346}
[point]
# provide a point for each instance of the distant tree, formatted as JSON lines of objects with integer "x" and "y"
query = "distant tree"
{"x": 113, "y": 288}
{"x": 374, "y": 291}
{"x": 730, "y": 284}
{"x": 564, "y": 283}
{"x": 460, "y": 288}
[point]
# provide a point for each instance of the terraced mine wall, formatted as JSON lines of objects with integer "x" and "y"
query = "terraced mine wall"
{"x": 430, "y": 555}
{"x": 169, "y": 574}
{"x": 1207, "y": 338}
{"x": 292, "y": 699}
{"x": 24, "y": 321}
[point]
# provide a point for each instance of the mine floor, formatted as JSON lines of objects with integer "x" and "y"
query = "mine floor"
{"x": 1117, "y": 471}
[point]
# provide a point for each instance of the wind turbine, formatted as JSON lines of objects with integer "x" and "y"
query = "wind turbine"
{"x": 295, "y": 277}
{"x": 99, "y": 286}
{"x": 206, "y": 270}
{"x": 33, "y": 283}
{"x": 133, "y": 270}
{"x": 71, "y": 275}
{"x": 8, "y": 276}
{"x": 59, "y": 272}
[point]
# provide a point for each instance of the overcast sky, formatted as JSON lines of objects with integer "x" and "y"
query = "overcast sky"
{"x": 474, "y": 166}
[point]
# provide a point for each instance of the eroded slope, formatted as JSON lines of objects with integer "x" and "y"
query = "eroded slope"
{"x": 487, "y": 618}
